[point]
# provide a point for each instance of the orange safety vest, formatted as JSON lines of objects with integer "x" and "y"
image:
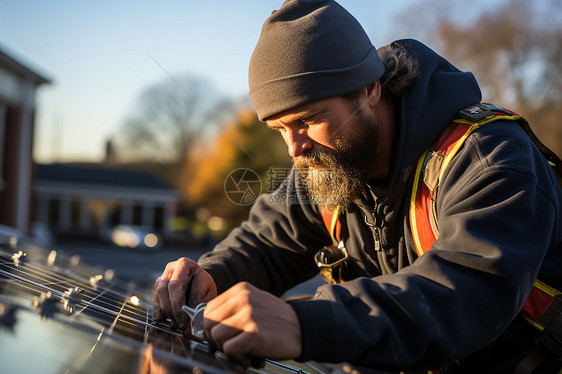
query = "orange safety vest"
{"x": 543, "y": 306}
{"x": 544, "y": 302}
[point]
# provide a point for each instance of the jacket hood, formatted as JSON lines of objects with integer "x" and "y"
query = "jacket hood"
{"x": 435, "y": 99}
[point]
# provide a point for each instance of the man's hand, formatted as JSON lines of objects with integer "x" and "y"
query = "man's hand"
{"x": 183, "y": 282}
{"x": 247, "y": 323}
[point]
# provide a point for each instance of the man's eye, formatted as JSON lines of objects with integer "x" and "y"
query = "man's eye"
{"x": 277, "y": 129}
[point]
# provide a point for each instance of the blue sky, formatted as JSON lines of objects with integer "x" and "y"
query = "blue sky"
{"x": 101, "y": 54}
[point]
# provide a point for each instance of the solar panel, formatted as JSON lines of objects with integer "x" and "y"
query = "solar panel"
{"x": 60, "y": 316}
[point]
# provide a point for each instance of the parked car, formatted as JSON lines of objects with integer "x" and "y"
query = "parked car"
{"x": 131, "y": 236}
{"x": 42, "y": 234}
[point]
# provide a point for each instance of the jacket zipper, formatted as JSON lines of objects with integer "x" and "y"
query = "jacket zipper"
{"x": 377, "y": 239}
{"x": 374, "y": 227}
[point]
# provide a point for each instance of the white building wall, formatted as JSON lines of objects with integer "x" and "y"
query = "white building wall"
{"x": 9, "y": 85}
{"x": 126, "y": 198}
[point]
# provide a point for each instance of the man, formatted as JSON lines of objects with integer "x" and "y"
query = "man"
{"x": 356, "y": 123}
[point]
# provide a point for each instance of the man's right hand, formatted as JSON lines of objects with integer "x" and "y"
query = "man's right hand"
{"x": 183, "y": 282}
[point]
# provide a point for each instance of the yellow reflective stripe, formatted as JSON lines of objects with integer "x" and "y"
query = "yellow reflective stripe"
{"x": 473, "y": 126}
{"x": 488, "y": 119}
{"x": 458, "y": 144}
{"x": 414, "y": 227}
{"x": 546, "y": 288}
{"x": 533, "y": 323}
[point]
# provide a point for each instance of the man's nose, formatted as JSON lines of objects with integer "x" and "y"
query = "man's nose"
{"x": 298, "y": 142}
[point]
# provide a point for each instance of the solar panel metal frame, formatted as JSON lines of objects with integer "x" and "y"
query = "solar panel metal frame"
{"x": 60, "y": 316}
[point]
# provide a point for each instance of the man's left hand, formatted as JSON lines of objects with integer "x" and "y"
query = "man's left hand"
{"x": 248, "y": 323}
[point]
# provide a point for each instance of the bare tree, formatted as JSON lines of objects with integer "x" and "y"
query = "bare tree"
{"x": 168, "y": 119}
{"x": 514, "y": 49}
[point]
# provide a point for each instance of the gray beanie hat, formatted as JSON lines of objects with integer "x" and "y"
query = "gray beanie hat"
{"x": 309, "y": 50}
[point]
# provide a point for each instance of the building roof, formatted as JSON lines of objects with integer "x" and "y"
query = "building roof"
{"x": 20, "y": 69}
{"x": 98, "y": 175}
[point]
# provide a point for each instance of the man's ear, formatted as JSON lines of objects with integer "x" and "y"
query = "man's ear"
{"x": 373, "y": 93}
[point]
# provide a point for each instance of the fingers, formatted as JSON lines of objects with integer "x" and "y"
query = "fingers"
{"x": 160, "y": 296}
{"x": 169, "y": 293}
{"x": 241, "y": 348}
{"x": 237, "y": 334}
{"x": 237, "y": 344}
{"x": 245, "y": 323}
{"x": 182, "y": 282}
{"x": 222, "y": 332}
{"x": 257, "y": 362}
{"x": 177, "y": 288}
{"x": 165, "y": 303}
{"x": 218, "y": 322}
{"x": 218, "y": 314}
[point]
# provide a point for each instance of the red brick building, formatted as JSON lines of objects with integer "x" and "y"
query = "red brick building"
{"x": 18, "y": 84}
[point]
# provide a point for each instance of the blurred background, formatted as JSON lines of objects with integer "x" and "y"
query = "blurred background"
{"x": 126, "y": 132}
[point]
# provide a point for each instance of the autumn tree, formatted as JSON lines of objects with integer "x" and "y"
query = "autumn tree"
{"x": 514, "y": 49}
{"x": 244, "y": 144}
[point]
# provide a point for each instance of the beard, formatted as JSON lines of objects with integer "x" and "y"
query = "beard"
{"x": 334, "y": 178}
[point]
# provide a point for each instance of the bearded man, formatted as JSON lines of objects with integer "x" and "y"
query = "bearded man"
{"x": 365, "y": 128}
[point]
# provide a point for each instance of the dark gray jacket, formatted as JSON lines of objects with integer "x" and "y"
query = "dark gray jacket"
{"x": 499, "y": 209}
